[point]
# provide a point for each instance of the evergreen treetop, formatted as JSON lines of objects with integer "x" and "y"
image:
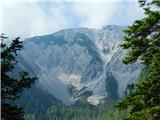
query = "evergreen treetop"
{"x": 11, "y": 86}
{"x": 142, "y": 40}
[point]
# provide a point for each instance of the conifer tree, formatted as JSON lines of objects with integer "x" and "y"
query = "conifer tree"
{"x": 142, "y": 40}
{"x": 12, "y": 87}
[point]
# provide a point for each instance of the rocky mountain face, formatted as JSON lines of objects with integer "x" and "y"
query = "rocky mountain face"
{"x": 79, "y": 62}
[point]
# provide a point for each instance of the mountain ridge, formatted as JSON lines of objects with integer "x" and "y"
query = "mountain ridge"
{"x": 80, "y": 60}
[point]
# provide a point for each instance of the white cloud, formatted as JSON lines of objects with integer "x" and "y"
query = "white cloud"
{"x": 39, "y": 18}
{"x": 29, "y": 19}
{"x": 92, "y": 14}
{"x": 97, "y": 14}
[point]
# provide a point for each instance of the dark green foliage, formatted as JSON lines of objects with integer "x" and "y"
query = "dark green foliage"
{"x": 11, "y": 87}
{"x": 70, "y": 113}
{"x": 142, "y": 39}
{"x": 104, "y": 111}
{"x": 36, "y": 101}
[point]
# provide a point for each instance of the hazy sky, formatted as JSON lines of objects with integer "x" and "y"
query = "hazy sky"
{"x": 38, "y": 17}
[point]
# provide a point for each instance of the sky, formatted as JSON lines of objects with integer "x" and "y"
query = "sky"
{"x": 27, "y": 18}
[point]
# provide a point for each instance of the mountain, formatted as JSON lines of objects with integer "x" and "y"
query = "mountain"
{"x": 80, "y": 64}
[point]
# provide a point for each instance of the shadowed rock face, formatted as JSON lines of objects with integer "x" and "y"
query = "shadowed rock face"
{"x": 72, "y": 62}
